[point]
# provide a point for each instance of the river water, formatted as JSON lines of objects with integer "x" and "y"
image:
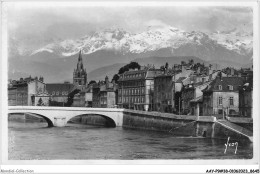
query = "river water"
{"x": 30, "y": 141}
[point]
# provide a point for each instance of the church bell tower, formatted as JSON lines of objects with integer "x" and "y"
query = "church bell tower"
{"x": 80, "y": 74}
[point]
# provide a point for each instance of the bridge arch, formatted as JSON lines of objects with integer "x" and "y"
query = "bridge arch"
{"x": 59, "y": 116}
{"x": 109, "y": 121}
{"x": 49, "y": 121}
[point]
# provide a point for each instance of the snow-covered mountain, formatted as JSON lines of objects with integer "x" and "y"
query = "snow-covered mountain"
{"x": 236, "y": 40}
{"x": 56, "y": 60}
{"x": 152, "y": 39}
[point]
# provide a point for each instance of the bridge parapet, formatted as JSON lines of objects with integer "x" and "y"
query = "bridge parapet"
{"x": 173, "y": 116}
{"x": 64, "y": 108}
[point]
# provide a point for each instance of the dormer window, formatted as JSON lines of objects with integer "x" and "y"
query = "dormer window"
{"x": 230, "y": 87}
{"x": 220, "y": 87}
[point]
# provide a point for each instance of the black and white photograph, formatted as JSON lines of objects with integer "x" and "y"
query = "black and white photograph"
{"x": 130, "y": 82}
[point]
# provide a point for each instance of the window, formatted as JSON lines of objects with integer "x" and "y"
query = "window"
{"x": 220, "y": 100}
{"x": 57, "y": 93}
{"x": 230, "y": 87}
{"x": 220, "y": 111}
{"x": 232, "y": 112}
{"x": 53, "y": 92}
{"x": 220, "y": 87}
{"x": 231, "y": 101}
{"x": 143, "y": 90}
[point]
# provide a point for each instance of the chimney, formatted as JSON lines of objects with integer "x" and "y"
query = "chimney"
{"x": 198, "y": 71}
{"x": 107, "y": 82}
{"x": 220, "y": 75}
{"x": 232, "y": 71}
{"x": 183, "y": 68}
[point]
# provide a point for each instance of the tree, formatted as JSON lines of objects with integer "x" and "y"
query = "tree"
{"x": 91, "y": 82}
{"x": 115, "y": 78}
{"x": 166, "y": 65}
{"x": 71, "y": 97}
{"x": 40, "y": 102}
{"x": 131, "y": 65}
{"x": 191, "y": 62}
{"x": 134, "y": 65}
{"x": 162, "y": 68}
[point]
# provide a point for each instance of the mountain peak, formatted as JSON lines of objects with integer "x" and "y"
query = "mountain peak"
{"x": 152, "y": 39}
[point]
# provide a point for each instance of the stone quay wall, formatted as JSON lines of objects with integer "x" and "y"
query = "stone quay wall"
{"x": 180, "y": 125}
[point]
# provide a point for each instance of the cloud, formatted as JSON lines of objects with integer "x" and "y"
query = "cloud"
{"x": 38, "y": 25}
{"x": 155, "y": 23}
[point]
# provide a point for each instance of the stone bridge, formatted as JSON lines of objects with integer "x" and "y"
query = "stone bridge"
{"x": 59, "y": 116}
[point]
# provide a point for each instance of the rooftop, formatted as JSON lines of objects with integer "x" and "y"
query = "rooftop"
{"x": 140, "y": 74}
{"x": 224, "y": 82}
{"x": 59, "y": 87}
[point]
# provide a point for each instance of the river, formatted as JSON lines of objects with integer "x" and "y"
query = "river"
{"x": 34, "y": 141}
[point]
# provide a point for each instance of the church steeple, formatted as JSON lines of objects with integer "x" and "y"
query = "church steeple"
{"x": 80, "y": 62}
{"x": 80, "y": 74}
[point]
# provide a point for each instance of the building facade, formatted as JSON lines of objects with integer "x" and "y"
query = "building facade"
{"x": 164, "y": 92}
{"x": 89, "y": 95}
{"x": 79, "y": 99}
{"x": 105, "y": 94}
{"x": 221, "y": 96}
{"x": 23, "y": 91}
{"x": 136, "y": 87}
{"x": 42, "y": 99}
{"x": 95, "y": 95}
{"x": 59, "y": 93}
{"x": 245, "y": 99}
{"x": 167, "y": 88}
{"x": 191, "y": 96}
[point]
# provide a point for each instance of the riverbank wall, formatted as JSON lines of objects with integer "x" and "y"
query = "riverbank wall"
{"x": 181, "y": 125}
{"x": 184, "y": 125}
{"x": 178, "y": 125}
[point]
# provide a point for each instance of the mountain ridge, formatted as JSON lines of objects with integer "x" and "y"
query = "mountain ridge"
{"x": 150, "y": 40}
{"x": 117, "y": 46}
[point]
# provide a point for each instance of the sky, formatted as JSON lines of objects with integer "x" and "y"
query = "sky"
{"x": 36, "y": 26}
